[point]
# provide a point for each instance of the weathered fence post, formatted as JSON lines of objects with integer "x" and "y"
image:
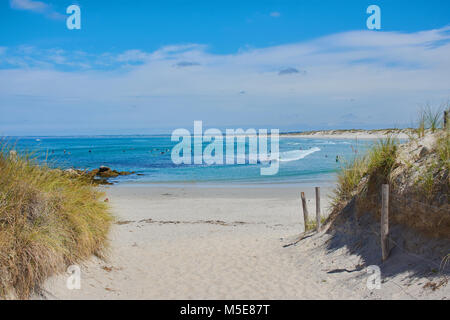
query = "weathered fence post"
{"x": 445, "y": 119}
{"x": 384, "y": 221}
{"x": 317, "y": 209}
{"x": 305, "y": 209}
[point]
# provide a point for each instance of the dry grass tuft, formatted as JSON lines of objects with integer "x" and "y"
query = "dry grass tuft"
{"x": 382, "y": 159}
{"x": 348, "y": 180}
{"x": 443, "y": 150}
{"x": 48, "y": 220}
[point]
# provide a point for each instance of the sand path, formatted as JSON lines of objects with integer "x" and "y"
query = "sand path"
{"x": 198, "y": 243}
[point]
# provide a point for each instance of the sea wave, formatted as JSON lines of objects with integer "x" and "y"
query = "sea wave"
{"x": 285, "y": 156}
{"x": 292, "y": 155}
{"x": 332, "y": 142}
{"x": 294, "y": 143}
{"x": 295, "y": 155}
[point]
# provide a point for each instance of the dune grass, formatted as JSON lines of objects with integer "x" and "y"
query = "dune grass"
{"x": 48, "y": 221}
{"x": 376, "y": 165}
{"x": 435, "y": 178}
{"x": 312, "y": 224}
{"x": 430, "y": 118}
{"x": 443, "y": 149}
{"x": 348, "y": 179}
{"x": 433, "y": 118}
{"x": 381, "y": 160}
{"x": 423, "y": 177}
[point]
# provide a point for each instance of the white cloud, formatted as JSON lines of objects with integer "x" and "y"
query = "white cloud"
{"x": 31, "y": 5}
{"x": 130, "y": 56}
{"x": 384, "y": 76}
{"x": 36, "y": 6}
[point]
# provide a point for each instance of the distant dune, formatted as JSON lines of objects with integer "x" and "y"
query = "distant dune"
{"x": 351, "y": 134}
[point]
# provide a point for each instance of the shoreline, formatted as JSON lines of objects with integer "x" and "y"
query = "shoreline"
{"x": 326, "y": 183}
{"x": 348, "y": 134}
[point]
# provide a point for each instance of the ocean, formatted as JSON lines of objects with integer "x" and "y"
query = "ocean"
{"x": 302, "y": 161}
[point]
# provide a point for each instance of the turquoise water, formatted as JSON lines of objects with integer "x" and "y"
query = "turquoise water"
{"x": 301, "y": 160}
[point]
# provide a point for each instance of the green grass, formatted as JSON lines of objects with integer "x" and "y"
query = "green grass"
{"x": 430, "y": 118}
{"x": 434, "y": 118}
{"x": 381, "y": 160}
{"x": 443, "y": 149}
{"x": 48, "y": 220}
{"x": 434, "y": 179}
{"x": 312, "y": 224}
{"x": 426, "y": 182}
{"x": 348, "y": 179}
{"x": 376, "y": 164}
{"x": 421, "y": 124}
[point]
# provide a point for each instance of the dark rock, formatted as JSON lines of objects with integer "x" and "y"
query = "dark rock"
{"x": 103, "y": 169}
{"x": 108, "y": 173}
{"x": 100, "y": 175}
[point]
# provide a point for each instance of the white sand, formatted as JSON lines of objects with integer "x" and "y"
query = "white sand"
{"x": 221, "y": 243}
{"x": 363, "y": 135}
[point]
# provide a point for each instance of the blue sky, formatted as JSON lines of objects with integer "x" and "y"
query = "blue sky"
{"x": 152, "y": 66}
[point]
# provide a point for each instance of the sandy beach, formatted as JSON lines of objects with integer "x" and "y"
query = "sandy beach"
{"x": 363, "y": 135}
{"x": 223, "y": 243}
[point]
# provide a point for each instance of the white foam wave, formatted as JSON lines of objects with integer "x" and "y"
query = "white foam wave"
{"x": 332, "y": 142}
{"x": 286, "y": 156}
{"x": 292, "y": 155}
{"x": 295, "y": 155}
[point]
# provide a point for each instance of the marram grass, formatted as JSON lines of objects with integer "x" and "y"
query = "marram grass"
{"x": 427, "y": 183}
{"x": 348, "y": 179}
{"x": 48, "y": 221}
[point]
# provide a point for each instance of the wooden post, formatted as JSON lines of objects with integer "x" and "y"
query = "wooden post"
{"x": 445, "y": 119}
{"x": 305, "y": 210}
{"x": 317, "y": 209}
{"x": 384, "y": 221}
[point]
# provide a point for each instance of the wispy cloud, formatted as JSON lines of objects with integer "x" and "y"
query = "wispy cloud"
{"x": 133, "y": 56}
{"x": 183, "y": 64}
{"x": 362, "y": 73}
{"x": 37, "y": 7}
{"x": 275, "y": 14}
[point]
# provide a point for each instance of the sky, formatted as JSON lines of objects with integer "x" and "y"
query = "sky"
{"x": 145, "y": 67}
